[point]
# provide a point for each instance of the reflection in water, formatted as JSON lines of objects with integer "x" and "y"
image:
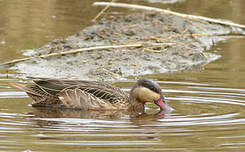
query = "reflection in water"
{"x": 202, "y": 118}
{"x": 44, "y": 116}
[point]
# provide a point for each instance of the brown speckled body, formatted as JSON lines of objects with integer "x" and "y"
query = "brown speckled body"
{"x": 89, "y": 95}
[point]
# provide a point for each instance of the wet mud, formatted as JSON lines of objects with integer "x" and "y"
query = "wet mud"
{"x": 169, "y": 44}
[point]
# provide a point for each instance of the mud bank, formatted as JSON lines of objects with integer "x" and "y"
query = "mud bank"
{"x": 170, "y": 44}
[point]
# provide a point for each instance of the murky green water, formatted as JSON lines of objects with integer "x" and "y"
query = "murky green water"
{"x": 209, "y": 103}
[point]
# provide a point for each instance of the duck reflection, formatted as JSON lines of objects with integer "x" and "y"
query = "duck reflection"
{"x": 49, "y": 116}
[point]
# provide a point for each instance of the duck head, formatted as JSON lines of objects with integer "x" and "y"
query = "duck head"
{"x": 146, "y": 90}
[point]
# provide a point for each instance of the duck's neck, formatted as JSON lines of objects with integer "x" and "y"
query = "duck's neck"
{"x": 137, "y": 99}
{"x": 136, "y": 105}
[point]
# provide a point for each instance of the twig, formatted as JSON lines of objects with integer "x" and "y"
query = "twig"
{"x": 193, "y": 17}
{"x": 80, "y": 50}
{"x": 194, "y": 34}
{"x": 101, "y": 12}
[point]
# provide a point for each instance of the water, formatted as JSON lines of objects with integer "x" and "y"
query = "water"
{"x": 209, "y": 103}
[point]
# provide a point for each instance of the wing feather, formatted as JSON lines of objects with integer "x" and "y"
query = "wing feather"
{"x": 74, "y": 93}
{"x": 77, "y": 98}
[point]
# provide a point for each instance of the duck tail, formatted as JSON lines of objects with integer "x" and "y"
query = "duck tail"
{"x": 40, "y": 98}
{"x": 20, "y": 86}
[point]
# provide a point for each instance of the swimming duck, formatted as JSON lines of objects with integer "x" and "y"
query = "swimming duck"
{"x": 91, "y": 95}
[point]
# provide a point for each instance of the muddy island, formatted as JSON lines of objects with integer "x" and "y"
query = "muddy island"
{"x": 149, "y": 43}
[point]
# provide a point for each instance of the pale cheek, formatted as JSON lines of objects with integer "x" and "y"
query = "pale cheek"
{"x": 148, "y": 99}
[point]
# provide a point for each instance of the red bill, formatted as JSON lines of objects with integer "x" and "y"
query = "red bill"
{"x": 162, "y": 104}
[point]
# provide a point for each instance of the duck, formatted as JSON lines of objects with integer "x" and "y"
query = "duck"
{"x": 92, "y": 95}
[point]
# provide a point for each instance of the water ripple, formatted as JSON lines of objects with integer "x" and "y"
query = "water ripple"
{"x": 199, "y": 112}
